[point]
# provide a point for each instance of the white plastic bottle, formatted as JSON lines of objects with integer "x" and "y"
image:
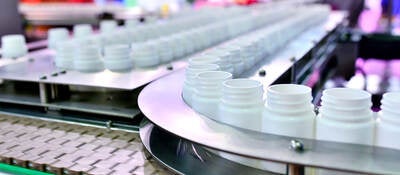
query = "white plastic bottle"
{"x": 82, "y": 30}
{"x": 289, "y": 112}
{"x": 208, "y": 91}
{"x": 248, "y": 54}
{"x": 166, "y": 53}
{"x": 108, "y": 26}
{"x": 388, "y": 122}
{"x": 132, "y": 23}
{"x": 190, "y": 79}
{"x": 204, "y": 59}
{"x": 144, "y": 55}
{"x": 245, "y": 54}
{"x": 345, "y": 116}
{"x": 65, "y": 54}
{"x": 241, "y": 104}
{"x": 116, "y": 58}
{"x": 225, "y": 59}
{"x": 13, "y": 46}
{"x": 236, "y": 60}
{"x": 55, "y": 36}
{"x": 87, "y": 59}
{"x": 347, "y": 112}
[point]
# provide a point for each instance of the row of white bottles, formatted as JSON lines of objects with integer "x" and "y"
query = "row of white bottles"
{"x": 188, "y": 42}
{"x": 168, "y": 48}
{"x": 146, "y": 54}
{"x": 89, "y": 58}
{"x": 287, "y": 110}
{"x": 108, "y": 28}
{"x": 240, "y": 54}
{"x": 292, "y": 124}
{"x": 170, "y": 26}
{"x": 140, "y": 33}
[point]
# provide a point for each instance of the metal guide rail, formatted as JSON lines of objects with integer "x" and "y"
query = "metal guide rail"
{"x": 172, "y": 115}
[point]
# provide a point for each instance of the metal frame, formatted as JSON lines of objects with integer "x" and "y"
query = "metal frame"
{"x": 39, "y": 67}
{"x": 105, "y": 93}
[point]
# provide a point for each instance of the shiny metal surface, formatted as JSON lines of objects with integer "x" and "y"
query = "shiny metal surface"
{"x": 187, "y": 158}
{"x": 39, "y": 67}
{"x": 172, "y": 114}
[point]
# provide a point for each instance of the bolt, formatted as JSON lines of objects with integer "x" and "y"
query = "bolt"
{"x": 108, "y": 124}
{"x": 109, "y": 98}
{"x": 63, "y": 72}
{"x": 43, "y": 77}
{"x": 170, "y": 67}
{"x": 54, "y": 74}
{"x": 293, "y": 70}
{"x": 262, "y": 73}
{"x": 316, "y": 110}
{"x": 297, "y": 145}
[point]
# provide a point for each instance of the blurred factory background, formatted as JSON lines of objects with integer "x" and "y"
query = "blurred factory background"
{"x": 37, "y": 16}
{"x": 101, "y": 86}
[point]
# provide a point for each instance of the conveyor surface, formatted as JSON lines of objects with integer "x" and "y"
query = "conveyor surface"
{"x": 62, "y": 148}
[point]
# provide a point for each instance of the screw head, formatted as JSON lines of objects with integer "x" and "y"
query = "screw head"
{"x": 109, "y": 98}
{"x": 316, "y": 110}
{"x": 297, "y": 145}
{"x": 262, "y": 73}
{"x": 109, "y": 124}
{"x": 170, "y": 67}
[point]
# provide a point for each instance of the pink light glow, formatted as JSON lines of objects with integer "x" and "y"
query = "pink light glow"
{"x": 369, "y": 19}
{"x": 394, "y": 66}
{"x": 375, "y": 67}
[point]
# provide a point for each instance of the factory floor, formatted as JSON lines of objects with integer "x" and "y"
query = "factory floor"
{"x": 61, "y": 148}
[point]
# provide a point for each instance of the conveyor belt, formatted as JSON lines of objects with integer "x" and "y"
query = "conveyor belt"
{"x": 62, "y": 148}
